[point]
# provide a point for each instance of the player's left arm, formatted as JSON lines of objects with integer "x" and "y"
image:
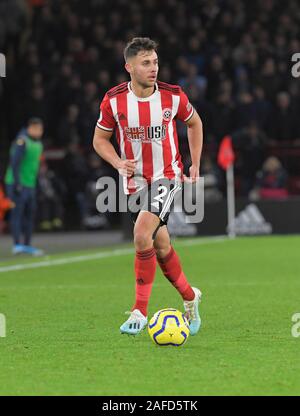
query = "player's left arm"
{"x": 187, "y": 113}
{"x": 195, "y": 139}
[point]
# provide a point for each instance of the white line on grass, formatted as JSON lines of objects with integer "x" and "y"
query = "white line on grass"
{"x": 105, "y": 254}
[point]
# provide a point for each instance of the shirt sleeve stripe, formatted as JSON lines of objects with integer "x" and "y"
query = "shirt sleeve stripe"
{"x": 187, "y": 119}
{"x": 103, "y": 128}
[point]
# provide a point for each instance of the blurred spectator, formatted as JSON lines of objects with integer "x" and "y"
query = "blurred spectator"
{"x": 222, "y": 116}
{"x": 251, "y": 143}
{"x": 212, "y": 180}
{"x": 89, "y": 116}
{"x": 245, "y": 110}
{"x": 215, "y": 74}
{"x": 242, "y": 82}
{"x": 75, "y": 174}
{"x": 36, "y": 103}
{"x": 13, "y": 20}
{"x": 269, "y": 78}
{"x": 193, "y": 81}
{"x": 68, "y": 130}
{"x": 96, "y": 170}
{"x": 262, "y": 108}
{"x": 50, "y": 200}
{"x": 285, "y": 123}
{"x": 194, "y": 55}
{"x": 271, "y": 181}
{"x": 103, "y": 82}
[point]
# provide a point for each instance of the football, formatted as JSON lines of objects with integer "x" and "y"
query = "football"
{"x": 169, "y": 327}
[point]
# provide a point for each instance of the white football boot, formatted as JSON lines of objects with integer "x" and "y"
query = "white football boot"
{"x": 191, "y": 308}
{"x": 135, "y": 323}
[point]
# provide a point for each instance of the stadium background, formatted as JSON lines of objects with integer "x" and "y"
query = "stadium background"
{"x": 232, "y": 57}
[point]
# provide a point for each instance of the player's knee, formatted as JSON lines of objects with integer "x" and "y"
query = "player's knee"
{"x": 142, "y": 241}
{"x": 162, "y": 252}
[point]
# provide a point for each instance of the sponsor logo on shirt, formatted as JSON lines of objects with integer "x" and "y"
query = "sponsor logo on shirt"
{"x": 146, "y": 134}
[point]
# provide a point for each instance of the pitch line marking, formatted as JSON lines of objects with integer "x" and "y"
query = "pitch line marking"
{"x": 96, "y": 256}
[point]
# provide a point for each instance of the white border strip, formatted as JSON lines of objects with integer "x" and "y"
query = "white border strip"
{"x": 105, "y": 254}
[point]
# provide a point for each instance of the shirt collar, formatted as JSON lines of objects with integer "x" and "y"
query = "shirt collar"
{"x": 150, "y": 98}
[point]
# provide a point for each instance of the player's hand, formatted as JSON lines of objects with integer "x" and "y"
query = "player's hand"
{"x": 127, "y": 167}
{"x": 194, "y": 174}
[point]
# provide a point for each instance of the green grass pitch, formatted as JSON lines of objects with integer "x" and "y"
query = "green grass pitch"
{"x": 62, "y": 335}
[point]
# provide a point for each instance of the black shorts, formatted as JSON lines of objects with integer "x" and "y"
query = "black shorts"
{"x": 157, "y": 198}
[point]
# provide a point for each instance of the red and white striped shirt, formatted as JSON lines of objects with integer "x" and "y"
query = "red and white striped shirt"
{"x": 146, "y": 130}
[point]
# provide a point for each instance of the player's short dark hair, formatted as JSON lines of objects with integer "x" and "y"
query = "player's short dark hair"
{"x": 34, "y": 121}
{"x": 139, "y": 44}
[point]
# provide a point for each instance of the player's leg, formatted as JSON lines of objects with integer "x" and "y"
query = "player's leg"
{"x": 28, "y": 217}
{"x": 28, "y": 221}
{"x": 145, "y": 267}
{"x": 171, "y": 267}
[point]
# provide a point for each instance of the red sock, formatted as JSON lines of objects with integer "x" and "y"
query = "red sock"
{"x": 171, "y": 268}
{"x": 145, "y": 266}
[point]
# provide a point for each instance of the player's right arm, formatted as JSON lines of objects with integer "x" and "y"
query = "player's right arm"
{"x": 101, "y": 142}
{"x": 105, "y": 149}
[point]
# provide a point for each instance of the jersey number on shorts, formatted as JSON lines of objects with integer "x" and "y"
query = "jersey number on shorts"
{"x": 160, "y": 198}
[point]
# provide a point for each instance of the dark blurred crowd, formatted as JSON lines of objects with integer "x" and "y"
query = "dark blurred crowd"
{"x": 232, "y": 57}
